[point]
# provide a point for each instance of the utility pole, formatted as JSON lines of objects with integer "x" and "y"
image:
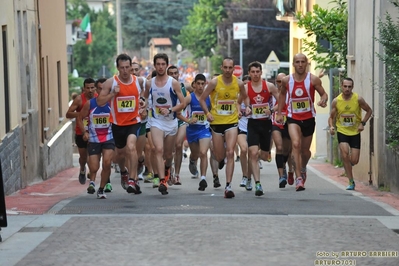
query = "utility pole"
{"x": 228, "y": 42}
{"x": 118, "y": 28}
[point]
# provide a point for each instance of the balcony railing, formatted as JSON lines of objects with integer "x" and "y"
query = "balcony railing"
{"x": 286, "y": 9}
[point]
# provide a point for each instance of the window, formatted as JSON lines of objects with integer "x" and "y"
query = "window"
{"x": 6, "y": 80}
{"x": 60, "y": 114}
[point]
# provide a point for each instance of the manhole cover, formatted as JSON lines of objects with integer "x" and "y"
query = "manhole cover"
{"x": 185, "y": 207}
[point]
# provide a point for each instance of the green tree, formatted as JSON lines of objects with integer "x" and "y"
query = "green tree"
{"x": 88, "y": 59}
{"x": 75, "y": 9}
{"x": 200, "y": 34}
{"x": 146, "y": 19}
{"x": 389, "y": 39}
{"x": 330, "y": 25}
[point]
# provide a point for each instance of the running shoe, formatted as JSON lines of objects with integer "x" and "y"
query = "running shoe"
{"x": 282, "y": 182}
{"x": 140, "y": 167}
{"x": 131, "y": 186}
{"x": 101, "y": 194}
{"x": 258, "y": 189}
{"x": 299, "y": 184}
{"x": 260, "y": 164}
{"x": 192, "y": 166}
{"x": 82, "y": 177}
{"x": 351, "y": 185}
{"x": 169, "y": 175}
{"x": 290, "y": 178}
{"x": 237, "y": 159}
{"x": 304, "y": 175}
{"x": 248, "y": 186}
{"x": 202, "y": 185}
{"x": 243, "y": 181}
{"x": 228, "y": 193}
{"x": 124, "y": 178}
{"x": 163, "y": 187}
{"x": 155, "y": 182}
{"x": 216, "y": 182}
{"x": 92, "y": 188}
{"x": 177, "y": 180}
{"x": 269, "y": 157}
{"x": 148, "y": 178}
{"x": 108, "y": 187}
{"x": 117, "y": 168}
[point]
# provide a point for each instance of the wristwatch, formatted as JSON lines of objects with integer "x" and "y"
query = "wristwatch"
{"x": 170, "y": 110}
{"x": 363, "y": 123}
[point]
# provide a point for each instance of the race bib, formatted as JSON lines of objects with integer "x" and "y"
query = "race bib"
{"x": 86, "y": 123}
{"x": 301, "y": 105}
{"x": 126, "y": 104}
{"x": 225, "y": 107}
{"x": 347, "y": 120}
{"x": 101, "y": 120}
{"x": 158, "y": 109}
{"x": 284, "y": 114}
{"x": 201, "y": 118}
{"x": 259, "y": 110}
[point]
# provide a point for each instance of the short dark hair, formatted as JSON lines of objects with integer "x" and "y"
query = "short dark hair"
{"x": 88, "y": 81}
{"x": 199, "y": 77}
{"x": 101, "y": 80}
{"x": 348, "y": 79}
{"x": 171, "y": 67}
{"x": 135, "y": 63}
{"x": 123, "y": 57}
{"x": 228, "y": 58}
{"x": 246, "y": 77}
{"x": 255, "y": 64}
{"x": 153, "y": 73}
{"x": 161, "y": 56}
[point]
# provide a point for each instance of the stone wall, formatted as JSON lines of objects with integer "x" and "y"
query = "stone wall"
{"x": 10, "y": 155}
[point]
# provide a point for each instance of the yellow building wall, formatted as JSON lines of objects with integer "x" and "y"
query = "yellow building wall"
{"x": 7, "y": 23}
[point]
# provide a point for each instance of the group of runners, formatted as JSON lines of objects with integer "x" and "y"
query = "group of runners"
{"x": 142, "y": 123}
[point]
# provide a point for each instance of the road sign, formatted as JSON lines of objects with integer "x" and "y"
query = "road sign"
{"x": 81, "y": 35}
{"x": 240, "y": 30}
{"x": 272, "y": 61}
{"x": 237, "y": 71}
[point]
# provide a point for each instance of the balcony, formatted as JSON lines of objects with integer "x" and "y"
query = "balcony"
{"x": 286, "y": 9}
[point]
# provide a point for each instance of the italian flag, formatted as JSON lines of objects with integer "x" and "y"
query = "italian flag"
{"x": 85, "y": 26}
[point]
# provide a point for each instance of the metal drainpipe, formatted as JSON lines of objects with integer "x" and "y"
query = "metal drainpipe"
{"x": 330, "y": 75}
{"x": 371, "y": 142}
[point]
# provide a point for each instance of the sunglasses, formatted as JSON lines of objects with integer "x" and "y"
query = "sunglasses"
{"x": 278, "y": 81}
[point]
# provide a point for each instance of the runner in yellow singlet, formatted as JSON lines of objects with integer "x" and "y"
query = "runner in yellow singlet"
{"x": 346, "y": 110}
{"x": 225, "y": 92}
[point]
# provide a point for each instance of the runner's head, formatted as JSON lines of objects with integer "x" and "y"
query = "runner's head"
{"x": 173, "y": 72}
{"x": 255, "y": 71}
{"x": 300, "y": 63}
{"x": 99, "y": 84}
{"x": 124, "y": 65}
{"x": 227, "y": 67}
{"x": 246, "y": 79}
{"x": 161, "y": 62}
{"x": 136, "y": 68}
{"x": 89, "y": 87}
{"x": 279, "y": 78}
{"x": 199, "y": 81}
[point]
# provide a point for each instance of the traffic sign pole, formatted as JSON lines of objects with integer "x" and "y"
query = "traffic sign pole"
{"x": 240, "y": 33}
{"x": 241, "y": 55}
